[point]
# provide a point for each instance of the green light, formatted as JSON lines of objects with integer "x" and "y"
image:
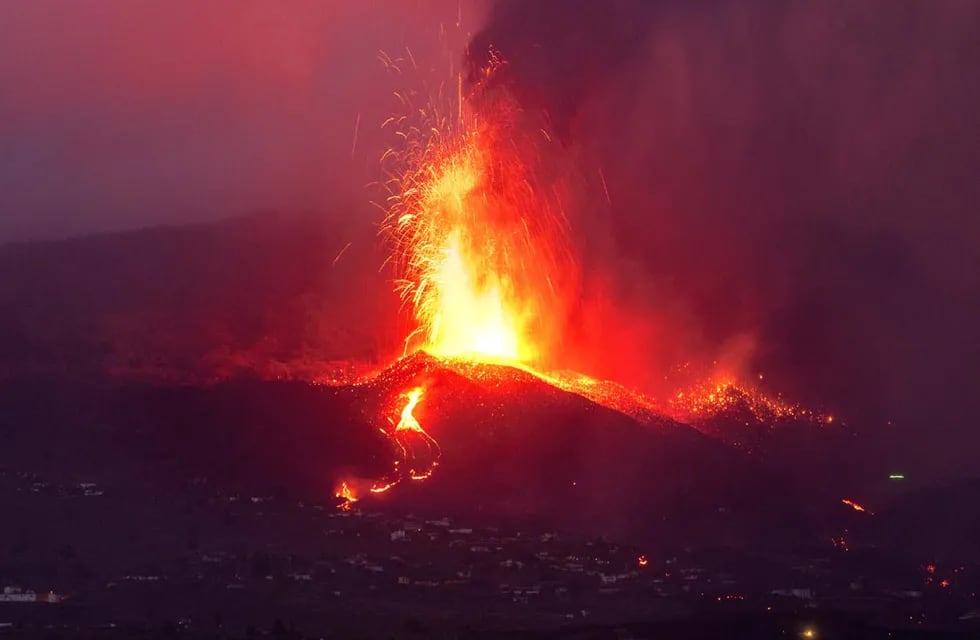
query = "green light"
{"x": 896, "y": 476}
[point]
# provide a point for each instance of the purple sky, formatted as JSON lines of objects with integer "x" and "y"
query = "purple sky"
{"x": 122, "y": 113}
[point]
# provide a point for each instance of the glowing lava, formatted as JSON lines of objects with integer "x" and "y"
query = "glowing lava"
{"x": 419, "y": 453}
{"x": 854, "y": 505}
{"x": 725, "y": 395}
{"x": 408, "y": 420}
{"x": 475, "y": 244}
{"x": 345, "y": 494}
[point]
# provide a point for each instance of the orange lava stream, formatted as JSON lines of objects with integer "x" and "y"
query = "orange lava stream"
{"x": 418, "y": 452}
{"x": 408, "y": 420}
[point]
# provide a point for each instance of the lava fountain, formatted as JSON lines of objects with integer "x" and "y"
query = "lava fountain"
{"x": 476, "y": 244}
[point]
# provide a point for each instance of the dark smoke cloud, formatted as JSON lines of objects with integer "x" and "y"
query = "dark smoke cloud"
{"x": 792, "y": 190}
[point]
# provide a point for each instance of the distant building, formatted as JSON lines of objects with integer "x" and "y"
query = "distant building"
{"x": 798, "y": 593}
{"x": 17, "y": 594}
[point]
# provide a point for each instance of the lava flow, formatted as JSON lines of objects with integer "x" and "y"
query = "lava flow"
{"x": 417, "y": 452}
{"x": 418, "y": 449}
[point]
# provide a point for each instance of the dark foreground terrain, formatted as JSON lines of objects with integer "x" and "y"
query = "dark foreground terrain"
{"x": 170, "y": 452}
{"x": 200, "y": 562}
{"x": 135, "y": 510}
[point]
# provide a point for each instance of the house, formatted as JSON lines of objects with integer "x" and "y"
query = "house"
{"x": 798, "y": 593}
{"x": 16, "y": 594}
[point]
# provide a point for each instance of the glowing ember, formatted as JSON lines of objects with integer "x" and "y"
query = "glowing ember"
{"x": 642, "y": 561}
{"x": 706, "y": 400}
{"x": 854, "y": 505}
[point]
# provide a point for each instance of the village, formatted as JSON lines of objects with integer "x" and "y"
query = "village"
{"x": 389, "y": 567}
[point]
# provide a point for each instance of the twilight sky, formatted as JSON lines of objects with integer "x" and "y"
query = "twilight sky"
{"x": 122, "y": 113}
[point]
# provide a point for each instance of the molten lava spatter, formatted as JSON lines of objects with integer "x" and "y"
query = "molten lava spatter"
{"x": 476, "y": 245}
{"x": 709, "y": 399}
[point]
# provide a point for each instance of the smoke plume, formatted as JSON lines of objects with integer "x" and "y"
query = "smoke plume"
{"x": 791, "y": 190}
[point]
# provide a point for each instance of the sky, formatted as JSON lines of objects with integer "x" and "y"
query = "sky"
{"x": 125, "y": 113}
{"x": 791, "y": 189}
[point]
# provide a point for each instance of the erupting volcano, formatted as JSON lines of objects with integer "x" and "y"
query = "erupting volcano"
{"x": 482, "y": 264}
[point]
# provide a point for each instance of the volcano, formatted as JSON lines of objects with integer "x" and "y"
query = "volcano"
{"x": 561, "y": 450}
{"x": 514, "y": 449}
{"x": 518, "y": 447}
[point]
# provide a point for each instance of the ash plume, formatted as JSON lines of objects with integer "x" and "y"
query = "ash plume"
{"x": 791, "y": 183}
